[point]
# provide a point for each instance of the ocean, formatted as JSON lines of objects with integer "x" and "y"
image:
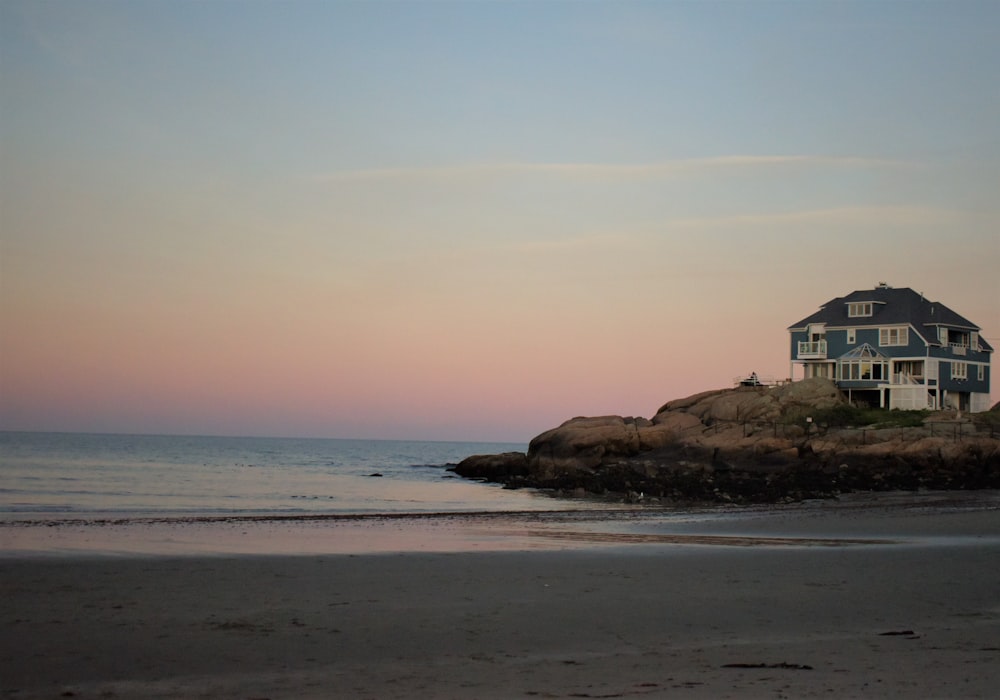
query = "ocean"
{"x": 64, "y": 494}
{"x": 86, "y": 476}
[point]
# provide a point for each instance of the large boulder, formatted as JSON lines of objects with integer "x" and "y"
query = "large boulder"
{"x": 701, "y": 426}
{"x": 745, "y": 444}
{"x": 755, "y": 403}
{"x": 501, "y": 467}
{"x": 582, "y": 444}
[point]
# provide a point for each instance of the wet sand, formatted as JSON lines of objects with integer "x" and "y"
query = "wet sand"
{"x": 891, "y": 597}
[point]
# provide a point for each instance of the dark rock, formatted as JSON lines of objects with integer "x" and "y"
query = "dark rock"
{"x": 498, "y": 468}
{"x": 745, "y": 445}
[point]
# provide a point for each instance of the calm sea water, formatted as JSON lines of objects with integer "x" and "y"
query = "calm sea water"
{"x": 45, "y": 475}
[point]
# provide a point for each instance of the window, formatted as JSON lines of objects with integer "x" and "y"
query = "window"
{"x": 909, "y": 371}
{"x": 893, "y": 336}
{"x": 851, "y": 336}
{"x": 959, "y": 370}
{"x": 959, "y": 339}
{"x": 981, "y": 374}
{"x": 862, "y": 370}
{"x": 861, "y": 308}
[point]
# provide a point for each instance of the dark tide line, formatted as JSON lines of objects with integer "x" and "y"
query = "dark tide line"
{"x": 321, "y": 517}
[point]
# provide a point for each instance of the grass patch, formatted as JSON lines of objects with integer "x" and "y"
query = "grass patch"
{"x": 845, "y": 416}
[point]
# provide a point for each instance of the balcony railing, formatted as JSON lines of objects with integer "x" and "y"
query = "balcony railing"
{"x": 812, "y": 349}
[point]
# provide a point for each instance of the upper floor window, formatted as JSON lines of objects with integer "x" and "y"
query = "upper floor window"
{"x": 894, "y": 336}
{"x": 959, "y": 370}
{"x": 981, "y": 374}
{"x": 852, "y": 337}
{"x": 860, "y": 308}
{"x": 961, "y": 339}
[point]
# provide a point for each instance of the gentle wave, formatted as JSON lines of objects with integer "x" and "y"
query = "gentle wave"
{"x": 154, "y": 474}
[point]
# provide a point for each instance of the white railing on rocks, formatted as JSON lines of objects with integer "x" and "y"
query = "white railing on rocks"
{"x": 755, "y": 380}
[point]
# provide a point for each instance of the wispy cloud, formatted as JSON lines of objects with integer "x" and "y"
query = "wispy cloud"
{"x": 650, "y": 235}
{"x": 611, "y": 171}
{"x": 871, "y": 215}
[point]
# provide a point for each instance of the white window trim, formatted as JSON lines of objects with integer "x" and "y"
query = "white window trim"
{"x": 902, "y": 336}
{"x": 852, "y": 336}
{"x": 855, "y": 370}
{"x": 959, "y": 370}
{"x": 860, "y": 309}
{"x": 981, "y": 373}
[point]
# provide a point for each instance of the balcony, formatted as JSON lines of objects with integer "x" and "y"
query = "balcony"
{"x": 812, "y": 350}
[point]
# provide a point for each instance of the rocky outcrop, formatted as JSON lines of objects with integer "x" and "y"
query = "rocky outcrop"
{"x": 750, "y": 444}
{"x": 501, "y": 467}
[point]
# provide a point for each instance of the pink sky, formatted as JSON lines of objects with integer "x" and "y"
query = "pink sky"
{"x": 392, "y": 234}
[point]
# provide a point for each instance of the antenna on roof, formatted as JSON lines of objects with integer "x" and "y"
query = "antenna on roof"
{"x": 883, "y": 285}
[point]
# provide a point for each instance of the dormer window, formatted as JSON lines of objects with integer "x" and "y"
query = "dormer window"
{"x": 859, "y": 309}
{"x": 960, "y": 339}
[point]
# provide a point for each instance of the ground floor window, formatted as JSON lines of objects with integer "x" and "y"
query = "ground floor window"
{"x": 819, "y": 370}
{"x": 959, "y": 370}
{"x": 862, "y": 370}
{"x": 981, "y": 374}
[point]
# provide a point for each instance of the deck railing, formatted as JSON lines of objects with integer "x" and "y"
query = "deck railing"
{"x": 812, "y": 348}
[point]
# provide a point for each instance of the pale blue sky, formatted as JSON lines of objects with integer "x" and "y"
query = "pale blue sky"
{"x": 553, "y": 202}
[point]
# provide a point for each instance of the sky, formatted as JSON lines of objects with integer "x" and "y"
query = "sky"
{"x": 468, "y": 220}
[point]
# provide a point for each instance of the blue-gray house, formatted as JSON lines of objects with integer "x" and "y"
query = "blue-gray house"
{"x": 895, "y": 349}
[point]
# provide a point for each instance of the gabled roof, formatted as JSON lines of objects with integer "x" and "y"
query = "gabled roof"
{"x": 892, "y": 306}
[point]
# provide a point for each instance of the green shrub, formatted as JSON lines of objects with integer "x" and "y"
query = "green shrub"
{"x": 846, "y": 415}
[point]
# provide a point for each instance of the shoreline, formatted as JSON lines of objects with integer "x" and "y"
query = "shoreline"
{"x": 883, "y": 595}
{"x": 855, "y": 519}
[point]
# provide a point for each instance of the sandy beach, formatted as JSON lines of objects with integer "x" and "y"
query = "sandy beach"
{"x": 893, "y": 596}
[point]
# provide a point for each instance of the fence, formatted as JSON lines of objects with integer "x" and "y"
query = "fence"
{"x": 956, "y": 430}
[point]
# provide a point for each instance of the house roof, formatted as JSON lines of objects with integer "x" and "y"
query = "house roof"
{"x": 892, "y": 306}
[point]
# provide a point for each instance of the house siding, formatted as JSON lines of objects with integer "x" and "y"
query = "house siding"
{"x": 924, "y": 320}
{"x": 971, "y": 383}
